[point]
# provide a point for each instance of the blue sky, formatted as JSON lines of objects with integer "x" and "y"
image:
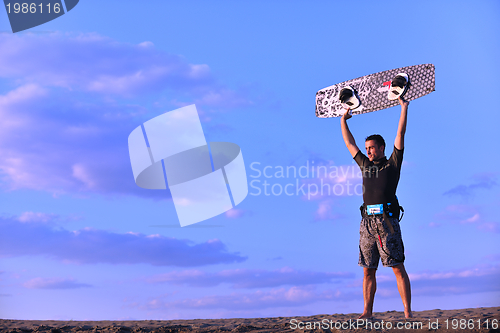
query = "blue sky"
{"x": 81, "y": 241}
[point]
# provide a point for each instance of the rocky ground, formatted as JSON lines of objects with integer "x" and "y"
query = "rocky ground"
{"x": 463, "y": 320}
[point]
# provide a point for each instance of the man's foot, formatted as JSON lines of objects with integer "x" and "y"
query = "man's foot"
{"x": 365, "y": 315}
{"x": 408, "y": 314}
{"x": 349, "y": 98}
{"x": 399, "y": 86}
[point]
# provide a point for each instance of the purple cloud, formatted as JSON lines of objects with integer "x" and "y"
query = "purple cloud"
{"x": 74, "y": 104}
{"x": 236, "y": 213}
{"x": 282, "y": 297}
{"x": 328, "y": 180}
{"x": 250, "y": 278}
{"x": 98, "y": 64}
{"x": 76, "y": 148}
{"x": 481, "y": 181}
{"x": 54, "y": 283}
{"x": 440, "y": 283}
{"x": 466, "y": 281}
{"x": 91, "y": 246}
{"x": 325, "y": 211}
{"x": 466, "y": 215}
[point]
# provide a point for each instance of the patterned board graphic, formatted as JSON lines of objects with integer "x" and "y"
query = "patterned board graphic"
{"x": 372, "y": 90}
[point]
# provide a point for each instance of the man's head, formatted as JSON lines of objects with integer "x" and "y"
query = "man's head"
{"x": 375, "y": 146}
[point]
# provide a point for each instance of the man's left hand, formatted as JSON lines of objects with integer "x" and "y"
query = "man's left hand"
{"x": 403, "y": 102}
{"x": 347, "y": 114}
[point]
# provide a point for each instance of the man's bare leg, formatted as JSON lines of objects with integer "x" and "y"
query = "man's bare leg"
{"x": 369, "y": 288}
{"x": 404, "y": 288}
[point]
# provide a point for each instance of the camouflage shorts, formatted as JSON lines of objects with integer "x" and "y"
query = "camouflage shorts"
{"x": 377, "y": 241}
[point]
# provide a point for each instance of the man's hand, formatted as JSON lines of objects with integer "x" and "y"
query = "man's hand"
{"x": 403, "y": 102}
{"x": 347, "y": 114}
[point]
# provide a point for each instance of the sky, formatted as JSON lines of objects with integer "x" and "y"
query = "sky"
{"x": 80, "y": 240}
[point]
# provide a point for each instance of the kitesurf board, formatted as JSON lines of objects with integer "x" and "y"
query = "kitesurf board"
{"x": 372, "y": 90}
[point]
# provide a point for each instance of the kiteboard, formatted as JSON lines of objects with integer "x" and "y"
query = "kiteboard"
{"x": 372, "y": 90}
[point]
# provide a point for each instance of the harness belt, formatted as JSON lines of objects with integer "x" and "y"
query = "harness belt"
{"x": 386, "y": 210}
{"x": 374, "y": 209}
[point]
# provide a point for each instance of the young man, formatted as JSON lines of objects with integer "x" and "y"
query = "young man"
{"x": 380, "y": 234}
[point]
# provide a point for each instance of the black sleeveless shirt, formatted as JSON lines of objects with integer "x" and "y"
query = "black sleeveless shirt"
{"x": 380, "y": 178}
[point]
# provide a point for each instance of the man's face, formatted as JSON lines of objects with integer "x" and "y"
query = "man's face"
{"x": 373, "y": 151}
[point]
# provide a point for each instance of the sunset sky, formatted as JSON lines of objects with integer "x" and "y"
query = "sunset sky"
{"x": 80, "y": 240}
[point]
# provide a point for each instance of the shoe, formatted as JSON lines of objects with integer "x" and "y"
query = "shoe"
{"x": 399, "y": 86}
{"x": 349, "y": 98}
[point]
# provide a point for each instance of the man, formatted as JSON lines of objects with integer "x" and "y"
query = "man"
{"x": 380, "y": 234}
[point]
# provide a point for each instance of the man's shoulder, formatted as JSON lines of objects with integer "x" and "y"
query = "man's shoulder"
{"x": 398, "y": 151}
{"x": 361, "y": 158}
{"x": 396, "y": 158}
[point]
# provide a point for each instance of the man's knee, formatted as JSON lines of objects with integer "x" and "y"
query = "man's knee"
{"x": 399, "y": 270}
{"x": 369, "y": 272}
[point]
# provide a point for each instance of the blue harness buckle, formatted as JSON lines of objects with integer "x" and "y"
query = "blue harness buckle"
{"x": 375, "y": 209}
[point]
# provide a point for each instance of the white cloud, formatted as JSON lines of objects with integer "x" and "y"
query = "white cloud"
{"x": 472, "y": 219}
{"x": 31, "y": 217}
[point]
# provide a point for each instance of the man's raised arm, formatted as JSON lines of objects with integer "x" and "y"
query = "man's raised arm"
{"x": 347, "y": 135}
{"x": 399, "y": 143}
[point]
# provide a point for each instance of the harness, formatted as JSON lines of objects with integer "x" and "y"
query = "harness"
{"x": 387, "y": 209}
